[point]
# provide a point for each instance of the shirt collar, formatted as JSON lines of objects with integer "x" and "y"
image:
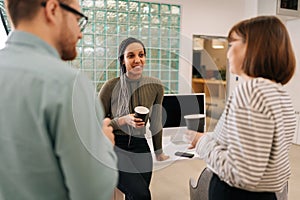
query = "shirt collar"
{"x": 30, "y": 41}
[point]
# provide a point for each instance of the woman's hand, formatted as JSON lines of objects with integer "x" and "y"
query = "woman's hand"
{"x": 108, "y": 130}
{"x": 162, "y": 157}
{"x": 131, "y": 121}
{"x": 193, "y": 137}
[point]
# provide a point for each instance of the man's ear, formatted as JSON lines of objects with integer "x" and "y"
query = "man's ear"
{"x": 52, "y": 10}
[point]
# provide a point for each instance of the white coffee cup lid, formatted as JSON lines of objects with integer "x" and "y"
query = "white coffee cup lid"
{"x": 141, "y": 110}
{"x": 194, "y": 116}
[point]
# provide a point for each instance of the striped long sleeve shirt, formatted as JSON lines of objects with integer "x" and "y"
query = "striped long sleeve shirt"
{"x": 249, "y": 146}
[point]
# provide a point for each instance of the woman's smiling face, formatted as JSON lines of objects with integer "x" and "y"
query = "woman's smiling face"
{"x": 236, "y": 54}
{"x": 134, "y": 60}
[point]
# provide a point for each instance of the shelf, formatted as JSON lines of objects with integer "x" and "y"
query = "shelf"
{"x": 211, "y": 88}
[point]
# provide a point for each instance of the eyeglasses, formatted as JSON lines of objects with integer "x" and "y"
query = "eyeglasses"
{"x": 83, "y": 19}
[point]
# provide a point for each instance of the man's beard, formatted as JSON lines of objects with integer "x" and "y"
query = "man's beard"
{"x": 68, "y": 54}
{"x": 67, "y": 46}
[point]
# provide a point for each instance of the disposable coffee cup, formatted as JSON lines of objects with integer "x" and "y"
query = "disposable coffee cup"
{"x": 141, "y": 112}
{"x": 195, "y": 122}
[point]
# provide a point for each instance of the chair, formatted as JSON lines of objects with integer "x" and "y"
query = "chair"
{"x": 283, "y": 195}
{"x": 199, "y": 189}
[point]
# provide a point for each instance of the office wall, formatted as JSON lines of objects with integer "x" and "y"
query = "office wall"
{"x": 268, "y": 7}
{"x": 202, "y": 17}
{"x": 293, "y": 86}
{"x": 215, "y": 17}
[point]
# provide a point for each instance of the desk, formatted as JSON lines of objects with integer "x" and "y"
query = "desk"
{"x": 171, "y": 144}
{"x": 211, "y": 88}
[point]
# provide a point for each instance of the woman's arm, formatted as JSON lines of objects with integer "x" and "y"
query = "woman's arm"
{"x": 105, "y": 95}
{"x": 156, "y": 124}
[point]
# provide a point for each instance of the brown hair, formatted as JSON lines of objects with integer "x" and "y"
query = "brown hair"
{"x": 24, "y": 9}
{"x": 269, "y": 52}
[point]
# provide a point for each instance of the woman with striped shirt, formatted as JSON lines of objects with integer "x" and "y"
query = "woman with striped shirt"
{"x": 248, "y": 150}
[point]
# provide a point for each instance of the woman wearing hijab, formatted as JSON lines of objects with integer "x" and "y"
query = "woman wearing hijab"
{"x": 119, "y": 97}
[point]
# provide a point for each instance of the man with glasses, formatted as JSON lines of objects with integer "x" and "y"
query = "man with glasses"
{"x": 54, "y": 143}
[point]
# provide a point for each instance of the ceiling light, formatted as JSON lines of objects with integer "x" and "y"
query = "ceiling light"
{"x": 217, "y": 44}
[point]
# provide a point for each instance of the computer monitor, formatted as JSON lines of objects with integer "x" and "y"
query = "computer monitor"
{"x": 176, "y": 106}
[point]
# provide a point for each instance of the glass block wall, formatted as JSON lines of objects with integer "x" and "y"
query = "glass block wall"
{"x": 110, "y": 21}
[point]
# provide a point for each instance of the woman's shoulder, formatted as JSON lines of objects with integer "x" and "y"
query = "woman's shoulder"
{"x": 150, "y": 79}
{"x": 256, "y": 90}
{"x": 259, "y": 85}
{"x": 153, "y": 82}
{"x": 112, "y": 82}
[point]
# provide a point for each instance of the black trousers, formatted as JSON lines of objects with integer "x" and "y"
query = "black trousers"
{"x": 135, "y": 167}
{"x": 219, "y": 190}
